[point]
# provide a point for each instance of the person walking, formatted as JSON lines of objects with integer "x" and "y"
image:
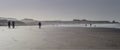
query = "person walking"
{"x": 9, "y": 24}
{"x": 39, "y": 24}
{"x": 13, "y": 24}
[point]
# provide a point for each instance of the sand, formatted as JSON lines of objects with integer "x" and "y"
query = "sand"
{"x": 59, "y": 38}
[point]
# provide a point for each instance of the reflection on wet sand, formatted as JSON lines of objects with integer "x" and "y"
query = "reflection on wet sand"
{"x": 31, "y": 37}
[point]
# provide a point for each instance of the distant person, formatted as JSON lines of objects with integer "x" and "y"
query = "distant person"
{"x": 9, "y": 24}
{"x": 86, "y": 25}
{"x": 13, "y": 24}
{"x": 94, "y": 25}
{"x": 39, "y": 24}
{"x": 90, "y": 25}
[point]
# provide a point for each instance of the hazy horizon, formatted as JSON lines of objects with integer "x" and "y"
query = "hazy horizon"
{"x": 61, "y": 9}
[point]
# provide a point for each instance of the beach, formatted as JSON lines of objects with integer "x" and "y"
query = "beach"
{"x": 33, "y": 38}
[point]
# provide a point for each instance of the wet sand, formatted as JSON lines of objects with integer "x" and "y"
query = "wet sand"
{"x": 59, "y": 38}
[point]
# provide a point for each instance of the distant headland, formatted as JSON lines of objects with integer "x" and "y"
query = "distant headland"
{"x": 27, "y": 21}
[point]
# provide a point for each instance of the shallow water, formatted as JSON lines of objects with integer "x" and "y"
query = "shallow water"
{"x": 83, "y": 25}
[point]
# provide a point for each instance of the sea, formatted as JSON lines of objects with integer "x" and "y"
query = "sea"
{"x": 72, "y": 25}
{"x": 83, "y": 25}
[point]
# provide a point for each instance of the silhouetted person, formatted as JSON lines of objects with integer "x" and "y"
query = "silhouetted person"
{"x": 9, "y": 24}
{"x": 90, "y": 25}
{"x": 13, "y": 24}
{"x": 39, "y": 24}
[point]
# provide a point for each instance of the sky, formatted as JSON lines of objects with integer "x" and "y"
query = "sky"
{"x": 61, "y": 9}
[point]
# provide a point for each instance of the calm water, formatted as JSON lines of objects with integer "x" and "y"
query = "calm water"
{"x": 83, "y": 25}
{"x": 73, "y": 25}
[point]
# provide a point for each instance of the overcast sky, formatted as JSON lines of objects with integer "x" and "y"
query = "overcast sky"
{"x": 61, "y": 9}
